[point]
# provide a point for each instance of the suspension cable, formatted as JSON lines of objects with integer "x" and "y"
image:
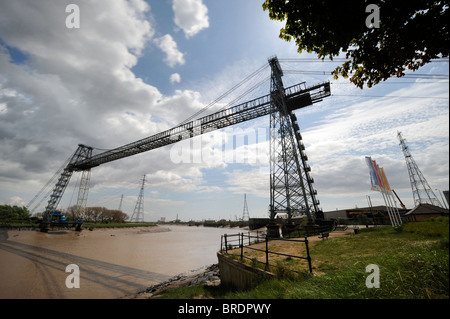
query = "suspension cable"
{"x": 50, "y": 182}
{"x": 234, "y": 88}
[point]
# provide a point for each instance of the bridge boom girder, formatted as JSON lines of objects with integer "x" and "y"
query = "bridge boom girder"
{"x": 296, "y": 98}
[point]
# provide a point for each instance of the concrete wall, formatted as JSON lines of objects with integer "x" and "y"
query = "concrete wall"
{"x": 239, "y": 275}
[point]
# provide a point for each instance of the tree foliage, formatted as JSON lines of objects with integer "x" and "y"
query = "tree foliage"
{"x": 97, "y": 214}
{"x": 8, "y": 213}
{"x": 410, "y": 34}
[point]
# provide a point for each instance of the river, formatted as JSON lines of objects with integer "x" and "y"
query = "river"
{"x": 112, "y": 263}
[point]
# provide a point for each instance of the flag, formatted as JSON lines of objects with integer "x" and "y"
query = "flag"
{"x": 377, "y": 170}
{"x": 385, "y": 181}
{"x": 373, "y": 174}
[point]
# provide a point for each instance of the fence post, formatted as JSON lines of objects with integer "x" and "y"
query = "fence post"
{"x": 267, "y": 252}
{"x": 308, "y": 256}
{"x": 242, "y": 246}
{"x": 226, "y": 244}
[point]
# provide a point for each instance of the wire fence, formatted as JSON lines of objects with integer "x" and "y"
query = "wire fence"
{"x": 235, "y": 244}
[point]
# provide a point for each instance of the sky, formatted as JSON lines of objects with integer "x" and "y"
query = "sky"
{"x": 132, "y": 69}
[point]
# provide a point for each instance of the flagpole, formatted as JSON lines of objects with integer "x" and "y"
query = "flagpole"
{"x": 388, "y": 208}
{"x": 396, "y": 212}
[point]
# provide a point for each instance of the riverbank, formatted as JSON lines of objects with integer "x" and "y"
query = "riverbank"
{"x": 412, "y": 263}
{"x": 85, "y": 226}
{"x": 210, "y": 276}
{"x": 207, "y": 276}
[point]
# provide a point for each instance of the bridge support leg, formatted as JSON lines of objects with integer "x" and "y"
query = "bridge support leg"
{"x": 273, "y": 230}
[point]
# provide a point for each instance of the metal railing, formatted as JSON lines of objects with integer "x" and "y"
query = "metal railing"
{"x": 230, "y": 242}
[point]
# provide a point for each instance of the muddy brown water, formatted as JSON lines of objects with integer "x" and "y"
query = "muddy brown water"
{"x": 112, "y": 262}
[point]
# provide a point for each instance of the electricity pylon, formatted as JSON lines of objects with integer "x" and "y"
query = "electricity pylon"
{"x": 138, "y": 214}
{"x": 422, "y": 192}
{"x": 245, "y": 214}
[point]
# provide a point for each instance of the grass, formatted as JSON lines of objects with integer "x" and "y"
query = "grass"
{"x": 413, "y": 263}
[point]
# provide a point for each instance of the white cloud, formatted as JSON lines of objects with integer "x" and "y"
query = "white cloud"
{"x": 175, "y": 78}
{"x": 77, "y": 86}
{"x": 17, "y": 201}
{"x": 191, "y": 16}
{"x": 347, "y": 130}
{"x": 249, "y": 181}
{"x": 168, "y": 45}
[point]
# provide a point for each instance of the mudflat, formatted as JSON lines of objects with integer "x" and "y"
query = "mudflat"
{"x": 112, "y": 263}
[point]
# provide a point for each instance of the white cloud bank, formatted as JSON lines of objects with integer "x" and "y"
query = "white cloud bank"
{"x": 76, "y": 86}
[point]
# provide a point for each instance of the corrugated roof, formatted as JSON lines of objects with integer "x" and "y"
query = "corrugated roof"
{"x": 427, "y": 209}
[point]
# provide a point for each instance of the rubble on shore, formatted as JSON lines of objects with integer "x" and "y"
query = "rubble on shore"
{"x": 207, "y": 275}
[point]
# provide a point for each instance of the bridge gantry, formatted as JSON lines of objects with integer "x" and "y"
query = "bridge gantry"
{"x": 291, "y": 186}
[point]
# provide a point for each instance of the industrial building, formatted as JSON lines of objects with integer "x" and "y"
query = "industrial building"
{"x": 425, "y": 211}
{"x": 370, "y": 212}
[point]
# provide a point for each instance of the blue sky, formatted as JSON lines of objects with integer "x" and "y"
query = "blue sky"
{"x": 135, "y": 68}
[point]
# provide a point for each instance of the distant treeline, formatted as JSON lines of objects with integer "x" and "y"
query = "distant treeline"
{"x": 97, "y": 215}
{"x": 225, "y": 223}
{"x": 12, "y": 215}
{"x": 213, "y": 223}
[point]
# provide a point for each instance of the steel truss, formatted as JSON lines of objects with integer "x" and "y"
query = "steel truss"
{"x": 291, "y": 185}
{"x": 291, "y": 189}
{"x": 422, "y": 192}
{"x": 83, "y": 152}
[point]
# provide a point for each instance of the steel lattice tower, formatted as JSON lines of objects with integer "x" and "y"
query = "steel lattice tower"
{"x": 83, "y": 192}
{"x": 120, "y": 204}
{"x": 245, "y": 214}
{"x": 83, "y": 152}
{"x": 138, "y": 214}
{"x": 291, "y": 189}
{"x": 422, "y": 192}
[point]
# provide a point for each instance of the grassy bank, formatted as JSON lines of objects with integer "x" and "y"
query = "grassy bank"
{"x": 413, "y": 263}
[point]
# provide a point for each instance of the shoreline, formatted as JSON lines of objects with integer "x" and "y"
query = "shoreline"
{"x": 143, "y": 229}
{"x": 123, "y": 262}
{"x": 208, "y": 275}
